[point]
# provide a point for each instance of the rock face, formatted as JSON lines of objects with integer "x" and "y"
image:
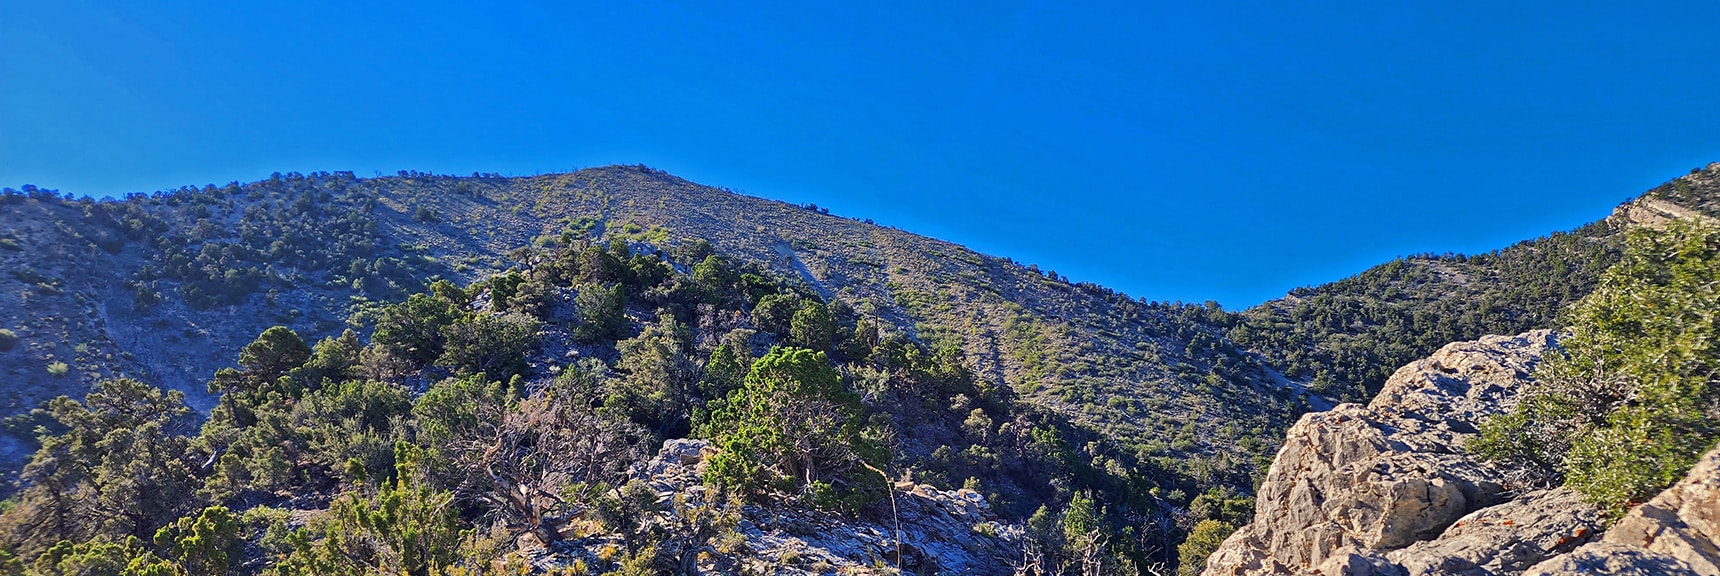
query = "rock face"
{"x": 1612, "y": 559}
{"x": 1387, "y": 488}
{"x": 1652, "y": 212}
{"x": 1676, "y": 532}
{"x": 1505, "y": 539}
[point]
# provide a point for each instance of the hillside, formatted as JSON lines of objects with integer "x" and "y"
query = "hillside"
{"x": 1586, "y": 451}
{"x": 168, "y": 286}
{"x": 1136, "y": 369}
{"x": 1346, "y": 337}
{"x": 1044, "y": 392}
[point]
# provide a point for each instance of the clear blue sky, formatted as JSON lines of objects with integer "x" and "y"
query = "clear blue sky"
{"x": 1192, "y": 151}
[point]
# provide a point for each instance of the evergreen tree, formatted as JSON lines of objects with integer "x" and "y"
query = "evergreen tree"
{"x": 812, "y": 326}
{"x": 792, "y": 426}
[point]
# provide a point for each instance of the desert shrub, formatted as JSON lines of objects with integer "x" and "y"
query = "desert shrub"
{"x": 1202, "y": 541}
{"x": 127, "y": 556}
{"x": 412, "y": 330}
{"x": 352, "y": 422}
{"x": 496, "y": 346}
{"x": 659, "y": 376}
{"x": 774, "y": 313}
{"x": 331, "y": 360}
{"x": 117, "y": 467}
{"x": 812, "y": 326}
{"x": 793, "y": 427}
{"x": 1629, "y": 403}
{"x": 603, "y": 312}
{"x": 208, "y": 543}
{"x": 405, "y": 527}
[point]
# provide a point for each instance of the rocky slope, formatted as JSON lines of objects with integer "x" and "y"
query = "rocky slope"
{"x": 1676, "y": 533}
{"x": 1176, "y": 399}
{"x": 1386, "y": 489}
{"x": 941, "y": 531}
{"x": 167, "y": 287}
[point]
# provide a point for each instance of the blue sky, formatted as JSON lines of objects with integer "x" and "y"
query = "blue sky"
{"x": 1227, "y": 151}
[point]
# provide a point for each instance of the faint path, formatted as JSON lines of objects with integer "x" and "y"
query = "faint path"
{"x": 784, "y": 250}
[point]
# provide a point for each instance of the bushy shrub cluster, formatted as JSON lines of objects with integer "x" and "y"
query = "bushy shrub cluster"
{"x": 1630, "y": 402}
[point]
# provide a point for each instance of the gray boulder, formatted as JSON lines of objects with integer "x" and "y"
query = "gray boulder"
{"x": 1385, "y": 488}
{"x": 1676, "y": 532}
{"x": 1507, "y": 538}
{"x": 1615, "y": 559}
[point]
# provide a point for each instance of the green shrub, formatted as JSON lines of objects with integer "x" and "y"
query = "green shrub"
{"x": 774, "y": 313}
{"x": 116, "y": 450}
{"x": 8, "y": 340}
{"x": 412, "y": 330}
{"x": 496, "y": 346}
{"x": 603, "y": 312}
{"x": 1639, "y": 452}
{"x": 1627, "y": 406}
{"x": 1222, "y": 503}
{"x": 1202, "y": 541}
{"x": 208, "y": 543}
{"x": 792, "y": 426}
{"x": 812, "y": 326}
{"x": 405, "y": 527}
{"x": 353, "y": 421}
{"x": 58, "y": 369}
{"x": 724, "y": 371}
{"x": 126, "y": 557}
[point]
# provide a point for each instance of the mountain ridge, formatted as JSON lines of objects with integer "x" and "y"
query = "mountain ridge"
{"x": 1013, "y": 320}
{"x": 1179, "y": 407}
{"x": 1187, "y": 386}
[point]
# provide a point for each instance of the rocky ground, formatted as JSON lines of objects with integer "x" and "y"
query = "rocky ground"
{"x": 942, "y": 531}
{"x": 1676, "y": 533}
{"x": 1387, "y": 490}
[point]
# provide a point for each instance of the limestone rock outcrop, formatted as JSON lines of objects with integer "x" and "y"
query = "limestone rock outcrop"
{"x": 1676, "y": 532}
{"x": 1612, "y": 559}
{"x": 1387, "y": 488}
{"x": 1507, "y": 538}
